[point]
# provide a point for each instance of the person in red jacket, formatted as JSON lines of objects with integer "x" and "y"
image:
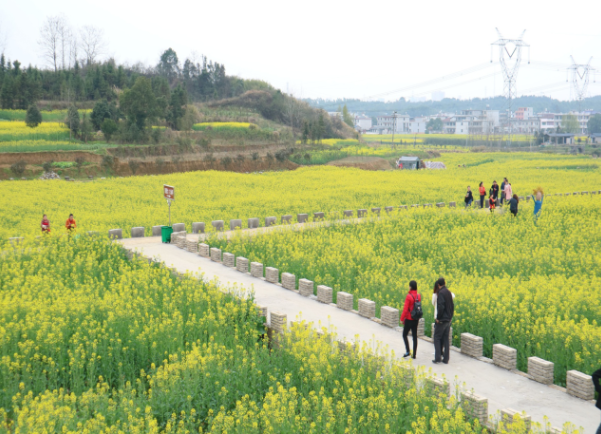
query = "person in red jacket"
{"x": 482, "y": 191}
{"x": 45, "y": 225}
{"x": 408, "y": 322}
{"x": 70, "y": 223}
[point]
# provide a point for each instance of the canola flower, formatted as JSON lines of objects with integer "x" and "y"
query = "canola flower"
{"x": 223, "y": 125}
{"x": 92, "y": 342}
{"x": 42, "y": 145}
{"x": 530, "y": 286}
{"x": 205, "y": 196}
{"x": 17, "y": 130}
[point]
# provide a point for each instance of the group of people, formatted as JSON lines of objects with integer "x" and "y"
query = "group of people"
{"x": 444, "y": 308}
{"x": 69, "y": 224}
{"x": 503, "y": 193}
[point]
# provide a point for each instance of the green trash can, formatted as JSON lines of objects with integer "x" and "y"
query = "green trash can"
{"x": 166, "y": 232}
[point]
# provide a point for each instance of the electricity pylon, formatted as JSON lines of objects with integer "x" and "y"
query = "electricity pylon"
{"x": 580, "y": 73}
{"x": 510, "y": 57}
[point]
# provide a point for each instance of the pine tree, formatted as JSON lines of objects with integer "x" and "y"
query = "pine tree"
{"x": 33, "y": 118}
{"x": 73, "y": 119}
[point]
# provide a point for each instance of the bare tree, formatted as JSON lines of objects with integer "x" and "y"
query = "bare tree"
{"x": 52, "y": 40}
{"x": 92, "y": 42}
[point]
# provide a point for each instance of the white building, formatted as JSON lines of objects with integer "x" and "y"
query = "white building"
{"x": 362, "y": 123}
{"x": 417, "y": 125}
{"x": 400, "y": 124}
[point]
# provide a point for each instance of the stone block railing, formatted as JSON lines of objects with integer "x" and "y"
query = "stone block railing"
{"x": 504, "y": 356}
{"x": 217, "y": 225}
{"x": 286, "y": 219}
{"x": 215, "y": 254}
{"x": 235, "y": 224}
{"x": 302, "y": 218}
{"x": 192, "y": 246}
{"x": 580, "y": 385}
{"x": 541, "y": 370}
{"x": 318, "y": 216}
{"x": 289, "y": 281}
{"x": 437, "y": 386}
{"x": 325, "y": 294}
{"x": 272, "y": 274}
{"x": 376, "y": 210}
{"x": 270, "y": 221}
{"x": 475, "y": 406}
{"x": 254, "y": 223}
{"x": 344, "y": 300}
{"x": 509, "y": 416}
{"x": 471, "y": 345}
{"x": 198, "y": 228}
{"x": 305, "y": 287}
{"x": 179, "y": 227}
{"x": 389, "y": 316}
{"x": 229, "y": 260}
{"x": 204, "y": 250}
{"x": 242, "y": 264}
{"x": 157, "y": 231}
{"x": 256, "y": 269}
{"x": 367, "y": 308}
{"x": 115, "y": 234}
{"x": 361, "y": 213}
{"x": 348, "y": 213}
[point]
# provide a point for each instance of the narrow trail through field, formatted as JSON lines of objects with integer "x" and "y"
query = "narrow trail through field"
{"x": 504, "y": 389}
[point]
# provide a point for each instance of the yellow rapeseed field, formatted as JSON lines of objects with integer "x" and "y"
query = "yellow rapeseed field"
{"x": 92, "y": 342}
{"x": 17, "y": 130}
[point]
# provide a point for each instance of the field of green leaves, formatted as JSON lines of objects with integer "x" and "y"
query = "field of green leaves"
{"x": 92, "y": 342}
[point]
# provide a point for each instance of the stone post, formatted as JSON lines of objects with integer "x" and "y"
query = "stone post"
{"x": 179, "y": 227}
{"x": 471, "y": 345}
{"x": 116, "y": 234}
{"x": 504, "y": 356}
{"x": 318, "y": 216}
{"x": 215, "y": 254}
{"x": 270, "y": 221}
{"x": 198, "y": 228}
{"x": 272, "y": 274}
{"x": 229, "y": 259}
{"x": 289, "y": 281}
{"x": 305, "y": 287}
{"x": 541, "y": 370}
{"x": 253, "y": 223}
{"x": 235, "y": 224}
{"x": 242, "y": 264}
{"x": 256, "y": 269}
{"x": 218, "y": 225}
{"x": 156, "y": 231}
{"x": 286, "y": 219}
{"x": 302, "y": 218}
{"x": 203, "y": 250}
{"x": 361, "y": 213}
{"x": 137, "y": 232}
{"x": 367, "y": 308}
{"x": 324, "y": 294}
{"x": 344, "y": 300}
{"x": 475, "y": 406}
{"x": 390, "y": 316}
{"x": 580, "y": 385}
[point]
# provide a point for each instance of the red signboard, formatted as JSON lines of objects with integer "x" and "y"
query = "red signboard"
{"x": 169, "y": 192}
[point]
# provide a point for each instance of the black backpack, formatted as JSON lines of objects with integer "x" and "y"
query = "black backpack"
{"x": 417, "y": 312}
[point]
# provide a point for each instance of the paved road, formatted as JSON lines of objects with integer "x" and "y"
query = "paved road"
{"x": 504, "y": 389}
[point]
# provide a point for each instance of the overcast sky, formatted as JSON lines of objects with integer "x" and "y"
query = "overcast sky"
{"x": 331, "y": 49}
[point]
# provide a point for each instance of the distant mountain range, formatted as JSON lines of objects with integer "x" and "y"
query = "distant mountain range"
{"x": 452, "y": 105}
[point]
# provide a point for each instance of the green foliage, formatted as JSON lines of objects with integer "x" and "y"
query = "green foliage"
{"x": 73, "y": 120}
{"x": 108, "y": 162}
{"x": 33, "y": 117}
{"x": 139, "y": 104}
{"x": 108, "y": 128}
{"x": 346, "y": 117}
{"x": 47, "y": 166}
{"x": 569, "y": 124}
{"x": 434, "y": 125}
{"x": 18, "y": 168}
{"x": 103, "y": 110}
{"x": 177, "y": 108}
{"x": 594, "y": 124}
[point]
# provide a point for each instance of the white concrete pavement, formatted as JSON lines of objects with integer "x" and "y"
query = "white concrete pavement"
{"x": 504, "y": 389}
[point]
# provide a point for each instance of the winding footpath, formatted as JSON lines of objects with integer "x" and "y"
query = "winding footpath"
{"x": 503, "y": 388}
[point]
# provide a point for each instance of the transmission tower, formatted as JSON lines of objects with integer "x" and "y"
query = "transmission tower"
{"x": 510, "y": 56}
{"x": 580, "y": 73}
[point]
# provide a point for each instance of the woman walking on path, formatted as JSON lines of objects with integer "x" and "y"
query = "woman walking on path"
{"x": 469, "y": 197}
{"x": 513, "y": 205}
{"x": 482, "y": 194}
{"x": 410, "y": 323}
{"x": 45, "y": 225}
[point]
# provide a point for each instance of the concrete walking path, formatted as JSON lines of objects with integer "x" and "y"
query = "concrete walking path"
{"x": 503, "y": 388}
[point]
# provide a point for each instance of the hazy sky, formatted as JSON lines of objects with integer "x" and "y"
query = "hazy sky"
{"x": 333, "y": 49}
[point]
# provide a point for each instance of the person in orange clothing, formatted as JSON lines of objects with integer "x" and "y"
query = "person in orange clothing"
{"x": 45, "y": 225}
{"x": 482, "y": 190}
{"x": 70, "y": 224}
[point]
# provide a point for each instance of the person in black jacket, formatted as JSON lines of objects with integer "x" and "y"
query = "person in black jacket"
{"x": 597, "y": 383}
{"x": 469, "y": 197}
{"x": 445, "y": 309}
{"x": 513, "y": 205}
